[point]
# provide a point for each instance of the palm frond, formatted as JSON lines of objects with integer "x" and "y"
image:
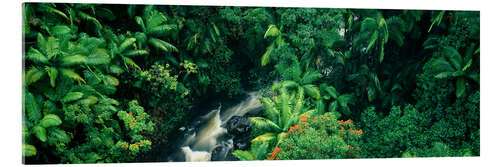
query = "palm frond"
{"x": 310, "y": 76}
{"x": 73, "y": 60}
{"x": 32, "y": 75}
{"x": 36, "y": 56}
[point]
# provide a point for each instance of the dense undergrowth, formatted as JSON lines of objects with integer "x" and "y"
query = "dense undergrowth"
{"x": 110, "y": 83}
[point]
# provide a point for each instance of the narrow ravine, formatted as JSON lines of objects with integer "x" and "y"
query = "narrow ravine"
{"x": 209, "y": 132}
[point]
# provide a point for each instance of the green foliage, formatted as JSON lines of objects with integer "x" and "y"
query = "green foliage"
{"x": 85, "y": 62}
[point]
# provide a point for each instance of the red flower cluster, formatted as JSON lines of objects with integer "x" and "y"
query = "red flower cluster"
{"x": 275, "y": 152}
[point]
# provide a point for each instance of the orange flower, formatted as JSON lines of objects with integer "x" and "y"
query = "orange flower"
{"x": 357, "y": 147}
{"x": 348, "y": 121}
{"x": 304, "y": 117}
{"x": 124, "y": 145}
{"x": 342, "y": 128}
{"x": 338, "y": 136}
{"x": 341, "y": 122}
{"x": 323, "y": 131}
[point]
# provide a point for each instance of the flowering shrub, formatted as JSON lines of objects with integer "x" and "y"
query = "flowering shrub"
{"x": 320, "y": 137}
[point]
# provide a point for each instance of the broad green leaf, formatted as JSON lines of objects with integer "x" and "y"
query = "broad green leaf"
{"x": 266, "y": 137}
{"x": 125, "y": 44}
{"x": 72, "y": 96}
{"x": 88, "y": 101}
{"x": 36, "y": 56}
{"x": 50, "y": 120}
{"x": 165, "y": 46}
{"x": 312, "y": 90}
{"x": 460, "y": 88}
{"x": 136, "y": 53}
{"x": 73, "y": 60}
{"x": 34, "y": 74}
{"x": 29, "y": 150}
{"x": 60, "y": 30}
{"x": 243, "y": 155}
{"x": 40, "y": 133}
{"x": 332, "y": 91}
{"x": 372, "y": 41}
{"x": 32, "y": 107}
{"x": 60, "y": 135}
{"x": 333, "y": 106}
{"x": 310, "y": 76}
{"x": 264, "y": 124}
{"x": 266, "y": 57}
{"x": 108, "y": 79}
{"x": 92, "y": 19}
{"x": 320, "y": 106}
{"x": 272, "y": 31}
{"x": 52, "y": 72}
{"x": 71, "y": 74}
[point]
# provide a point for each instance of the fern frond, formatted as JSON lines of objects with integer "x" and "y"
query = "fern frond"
{"x": 130, "y": 62}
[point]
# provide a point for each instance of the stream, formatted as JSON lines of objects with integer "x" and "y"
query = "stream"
{"x": 209, "y": 138}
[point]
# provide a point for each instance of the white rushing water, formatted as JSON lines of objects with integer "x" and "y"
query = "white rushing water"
{"x": 199, "y": 145}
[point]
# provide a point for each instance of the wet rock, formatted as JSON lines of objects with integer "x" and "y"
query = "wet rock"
{"x": 238, "y": 125}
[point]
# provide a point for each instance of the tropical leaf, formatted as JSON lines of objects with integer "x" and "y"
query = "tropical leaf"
{"x": 59, "y": 135}
{"x": 130, "y": 62}
{"x": 72, "y": 96}
{"x": 32, "y": 108}
{"x": 162, "y": 29}
{"x": 40, "y": 133}
{"x": 29, "y": 150}
{"x": 460, "y": 88}
{"x": 320, "y": 106}
{"x": 266, "y": 137}
{"x": 34, "y": 74}
{"x": 98, "y": 57}
{"x": 243, "y": 155}
{"x": 333, "y": 106}
{"x": 60, "y": 30}
{"x": 272, "y": 31}
{"x": 110, "y": 80}
{"x": 125, "y": 44}
{"x": 312, "y": 90}
{"x": 36, "y": 56}
{"x": 269, "y": 110}
{"x": 266, "y": 57}
{"x": 50, "y": 120}
{"x": 92, "y": 19}
{"x": 310, "y": 76}
{"x": 52, "y": 72}
{"x": 165, "y": 46}
{"x": 73, "y": 60}
{"x": 91, "y": 100}
{"x": 71, "y": 74}
{"x": 259, "y": 149}
{"x": 264, "y": 124}
{"x": 372, "y": 41}
{"x": 136, "y": 53}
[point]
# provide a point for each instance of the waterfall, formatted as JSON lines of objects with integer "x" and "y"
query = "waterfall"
{"x": 198, "y": 146}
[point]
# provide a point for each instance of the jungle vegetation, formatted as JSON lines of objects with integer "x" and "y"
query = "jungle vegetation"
{"x": 110, "y": 83}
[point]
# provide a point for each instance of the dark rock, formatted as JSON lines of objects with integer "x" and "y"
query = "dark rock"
{"x": 238, "y": 125}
